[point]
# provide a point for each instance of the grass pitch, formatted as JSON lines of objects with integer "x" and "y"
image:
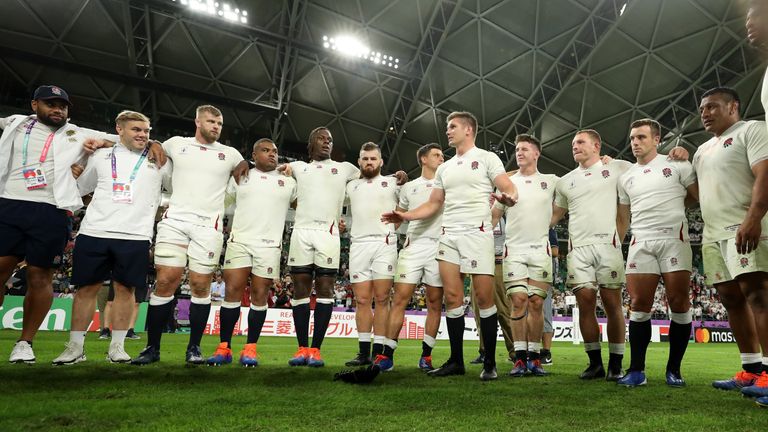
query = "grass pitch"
{"x": 168, "y": 396}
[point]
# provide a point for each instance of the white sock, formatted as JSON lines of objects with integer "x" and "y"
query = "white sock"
{"x": 616, "y": 348}
{"x": 591, "y": 346}
{"x": 364, "y": 337}
{"x": 77, "y": 337}
{"x": 534, "y": 346}
{"x": 118, "y": 337}
{"x": 390, "y": 343}
{"x": 378, "y": 339}
{"x": 429, "y": 340}
{"x": 747, "y": 358}
{"x": 521, "y": 346}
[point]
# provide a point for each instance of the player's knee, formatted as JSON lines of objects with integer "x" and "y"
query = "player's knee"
{"x": 303, "y": 270}
{"x": 326, "y": 272}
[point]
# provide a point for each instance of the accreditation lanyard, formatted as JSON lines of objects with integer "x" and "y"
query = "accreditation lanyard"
{"x": 25, "y": 146}
{"x": 123, "y": 192}
{"x": 34, "y": 178}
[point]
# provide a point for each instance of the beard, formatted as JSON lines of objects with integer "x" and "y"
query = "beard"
{"x": 209, "y": 136}
{"x": 370, "y": 173}
{"x": 44, "y": 119}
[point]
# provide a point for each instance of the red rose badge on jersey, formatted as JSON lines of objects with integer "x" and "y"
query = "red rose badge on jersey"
{"x": 222, "y": 156}
{"x": 544, "y": 185}
{"x": 383, "y": 184}
{"x": 605, "y": 173}
{"x": 474, "y": 165}
{"x": 334, "y": 171}
{"x": 280, "y": 183}
{"x": 667, "y": 172}
{"x": 727, "y": 143}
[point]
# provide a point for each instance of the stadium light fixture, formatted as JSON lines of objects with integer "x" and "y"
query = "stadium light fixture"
{"x": 623, "y": 8}
{"x": 349, "y": 46}
{"x": 216, "y": 8}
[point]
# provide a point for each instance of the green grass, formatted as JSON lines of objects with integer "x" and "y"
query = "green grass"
{"x": 169, "y": 396}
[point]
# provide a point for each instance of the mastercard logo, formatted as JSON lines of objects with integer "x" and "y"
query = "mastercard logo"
{"x": 702, "y": 335}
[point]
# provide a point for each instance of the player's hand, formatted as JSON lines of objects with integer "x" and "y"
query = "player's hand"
{"x": 92, "y": 144}
{"x": 156, "y": 153}
{"x": 77, "y": 170}
{"x": 605, "y": 159}
{"x": 285, "y": 169}
{"x": 342, "y": 225}
{"x": 748, "y": 236}
{"x": 241, "y": 171}
{"x": 394, "y": 217}
{"x": 505, "y": 198}
{"x": 402, "y": 177}
{"x": 678, "y": 153}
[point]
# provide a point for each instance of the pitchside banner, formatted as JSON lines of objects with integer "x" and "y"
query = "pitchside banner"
{"x": 58, "y": 318}
{"x": 279, "y": 322}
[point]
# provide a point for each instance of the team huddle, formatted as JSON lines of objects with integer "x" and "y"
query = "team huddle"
{"x": 48, "y": 164}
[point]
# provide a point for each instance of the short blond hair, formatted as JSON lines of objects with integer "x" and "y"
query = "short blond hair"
{"x": 210, "y": 109}
{"x": 126, "y": 116}
{"x": 592, "y": 134}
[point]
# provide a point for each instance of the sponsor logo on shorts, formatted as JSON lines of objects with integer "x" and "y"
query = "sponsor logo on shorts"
{"x": 667, "y": 172}
{"x": 441, "y": 252}
{"x": 718, "y": 276}
{"x": 292, "y": 259}
{"x": 227, "y": 261}
{"x": 355, "y": 276}
{"x": 511, "y": 274}
{"x": 222, "y": 156}
{"x": 329, "y": 260}
{"x": 544, "y": 274}
{"x": 334, "y": 171}
{"x": 633, "y": 266}
{"x": 544, "y": 185}
{"x": 475, "y": 165}
{"x": 743, "y": 262}
{"x": 571, "y": 276}
{"x": 269, "y": 270}
{"x": 389, "y": 267}
{"x": 614, "y": 274}
{"x": 280, "y": 183}
{"x": 210, "y": 255}
{"x": 473, "y": 263}
{"x": 402, "y": 275}
{"x": 605, "y": 173}
{"x": 673, "y": 261}
{"x": 727, "y": 143}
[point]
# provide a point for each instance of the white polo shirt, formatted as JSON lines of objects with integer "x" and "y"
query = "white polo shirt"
{"x": 590, "y": 196}
{"x": 201, "y": 174}
{"x": 120, "y": 220}
{"x": 321, "y": 190}
{"x": 468, "y": 183}
{"x": 656, "y": 194}
{"x": 369, "y": 199}
{"x": 723, "y": 167}
{"x": 263, "y": 200}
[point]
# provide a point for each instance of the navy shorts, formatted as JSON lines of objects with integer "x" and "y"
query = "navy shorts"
{"x": 33, "y": 231}
{"x": 97, "y": 259}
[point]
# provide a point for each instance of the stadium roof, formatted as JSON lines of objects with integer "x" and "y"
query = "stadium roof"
{"x": 546, "y": 66}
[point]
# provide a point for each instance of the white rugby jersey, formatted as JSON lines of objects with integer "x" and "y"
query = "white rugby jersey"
{"x": 590, "y": 196}
{"x": 201, "y": 174}
{"x": 263, "y": 200}
{"x": 369, "y": 199}
{"x": 527, "y": 224}
{"x": 413, "y": 194}
{"x": 15, "y": 187}
{"x": 656, "y": 194}
{"x": 117, "y": 220}
{"x": 321, "y": 189}
{"x": 723, "y": 169}
{"x": 468, "y": 183}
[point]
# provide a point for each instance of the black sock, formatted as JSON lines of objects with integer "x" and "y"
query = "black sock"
{"x": 255, "y": 323}
{"x": 388, "y": 351}
{"x": 456, "y": 338}
{"x": 489, "y": 328}
{"x": 157, "y": 317}
{"x": 301, "y": 322}
{"x": 755, "y": 368}
{"x": 595, "y": 357}
{"x": 521, "y": 355}
{"x": 365, "y": 347}
{"x": 545, "y": 352}
{"x": 228, "y": 318}
{"x": 198, "y": 318}
{"x": 323, "y": 313}
{"x": 679, "y": 335}
{"x": 377, "y": 349}
{"x": 639, "y": 338}
{"x": 532, "y": 355}
{"x": 765, "y": 368}
{"x": 426, "y": 350}
{"x": 614, "y": 362}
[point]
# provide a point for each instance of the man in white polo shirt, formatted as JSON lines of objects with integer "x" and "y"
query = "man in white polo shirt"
{"x": 595, "y": 262}
{"x": 253, "y": 249}
{"x": 372, "y": 255}
{"x": 527, "y": 262}
{"x": 464, "y": 185}
{"x": 190, "y": 231}
{"x": 116, "y": 233}
{"x": 655, "y": 190}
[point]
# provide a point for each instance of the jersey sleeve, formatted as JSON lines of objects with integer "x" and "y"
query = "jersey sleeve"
{"x": 169, "y": 145}
{"x": 560, "y": 199}
{"x": 5, "y": 121}
{"x": 623, "y": 196}
{"x": 495, "y": 166}
{"x": 757, "y": 142}
{"x": 294, "y": 191}
{"x": 687, "y": 176}
{"x": 88, "y": 180}
{"x": 296, "y": 166}
{"x": 403, "y": 199}
{"x": 352, "y": 171}
{"x": 439, "y": 178}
